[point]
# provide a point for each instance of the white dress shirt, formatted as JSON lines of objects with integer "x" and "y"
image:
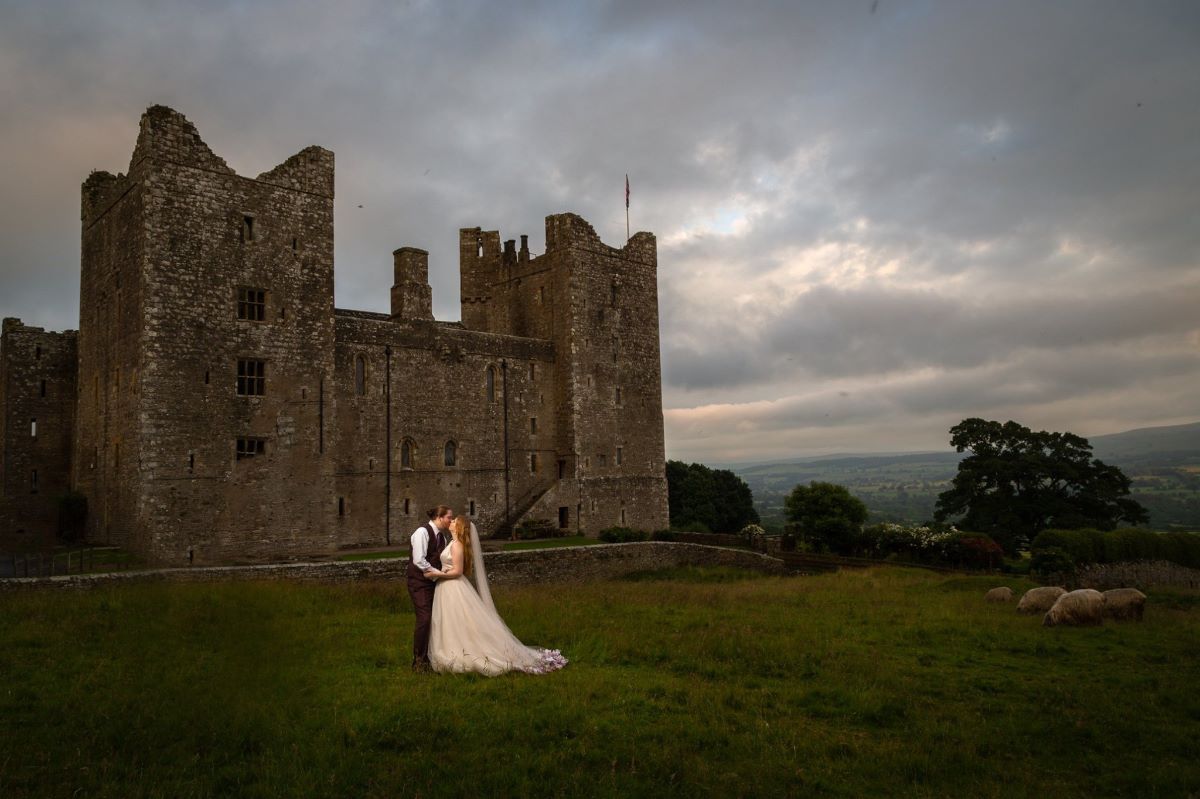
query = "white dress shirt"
{"x": 420, "y": 546}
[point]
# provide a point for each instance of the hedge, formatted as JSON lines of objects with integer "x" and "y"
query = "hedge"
{"x": 1119, "y": 546}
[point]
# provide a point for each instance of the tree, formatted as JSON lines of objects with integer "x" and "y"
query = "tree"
{"x": 1016, "y": 483}
{"x": 827, "y": 515}
{"x": 716, "y": 499}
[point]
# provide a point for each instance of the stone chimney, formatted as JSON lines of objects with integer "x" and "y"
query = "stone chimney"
{"x": 412, "y": 298}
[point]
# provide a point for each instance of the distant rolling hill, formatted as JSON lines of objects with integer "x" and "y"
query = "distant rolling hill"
{"x": 1163, "y": 462}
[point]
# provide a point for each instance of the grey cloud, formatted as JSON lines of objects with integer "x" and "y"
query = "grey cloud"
{"x": 995, "y": 152}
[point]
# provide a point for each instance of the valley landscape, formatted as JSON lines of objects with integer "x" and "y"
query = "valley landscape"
{"x": 1162, "y": 462}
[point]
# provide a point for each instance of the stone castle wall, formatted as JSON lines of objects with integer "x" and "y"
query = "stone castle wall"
{"x": 37, "y": 398}
{"x": 545, "y": 402}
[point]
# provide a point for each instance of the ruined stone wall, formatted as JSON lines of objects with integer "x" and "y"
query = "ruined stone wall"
{"x": 436, "y": 376}
{"x": 599, "y": 305}
{"x": 37, "y": 400}
{"x": 207, "y": 235}
{"x": 611, "y": 377}
{"x": 106, "y": 447}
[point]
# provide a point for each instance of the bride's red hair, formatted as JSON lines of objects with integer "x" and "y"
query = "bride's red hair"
{"x": 462, "y": 533}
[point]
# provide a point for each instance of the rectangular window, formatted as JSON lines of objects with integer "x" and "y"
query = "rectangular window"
{"x": 247, "y": 228}
{"x": 533, "y": 425}
{"x": 341, "y": 506}
{"x": 252, "y": 304}
{"x": 533, "y": 462}
{"x": 43, "y": 388}
{"x": 471, "y": 512}
{"x": 406, "y": 506}
{"x": 251, "y": 447}
{"x": 33, "y": 428}
{"x": 532, "y": 371}
{"x": 251, "y": 378}
{"x": 602, "y": 460}
{"x": 620, "y": 455}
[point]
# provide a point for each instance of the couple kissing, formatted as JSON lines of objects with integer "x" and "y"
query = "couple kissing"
{"x": 457, "y": 627}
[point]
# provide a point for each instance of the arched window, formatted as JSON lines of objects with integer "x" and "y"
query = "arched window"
{"x": 491, "y": 384}
{"x": 451, "y": 453}
{"x": 360, "y": 375}
{"x": 406, "y": 454}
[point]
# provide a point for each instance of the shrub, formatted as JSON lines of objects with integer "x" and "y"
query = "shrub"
{"x": 662, "y": 535}
{"x": 974, "y": 550}
{"x": 1049, "y": 561}
{"x": 622, "y": 535}
{"x": 692, "y": 527}
{"x": 1117, "y": 546}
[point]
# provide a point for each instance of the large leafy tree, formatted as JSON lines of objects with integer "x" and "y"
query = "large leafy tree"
{"x": 1016, "y": 483}
{"x": 715, "y": 498}
{"x": 826, "y": 515}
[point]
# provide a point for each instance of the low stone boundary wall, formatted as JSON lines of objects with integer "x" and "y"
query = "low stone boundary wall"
{"x": 562, "y": 564}
{"x": 1139, "y": 574}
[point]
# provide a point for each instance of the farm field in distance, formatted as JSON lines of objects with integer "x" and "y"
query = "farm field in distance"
{"x": 1163, "y": 464}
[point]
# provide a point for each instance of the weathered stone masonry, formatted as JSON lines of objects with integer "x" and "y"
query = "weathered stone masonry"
{"x": 225, "y": 410}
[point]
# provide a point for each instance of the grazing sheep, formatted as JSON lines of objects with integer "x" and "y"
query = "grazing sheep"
{"x": 1085, "y": 606}
{"x": 1003, "y": 594}
{"x": 1124, "y": 603}
{"x": 1040, "y": 600}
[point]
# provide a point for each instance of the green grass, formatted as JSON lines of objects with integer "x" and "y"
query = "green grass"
{"x": 551, "y": 543}
{"x": 400, "y": 553}
{"x": 885, "y": 682}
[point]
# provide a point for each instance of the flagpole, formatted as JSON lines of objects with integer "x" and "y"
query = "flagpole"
{"x": 626, "y": 207}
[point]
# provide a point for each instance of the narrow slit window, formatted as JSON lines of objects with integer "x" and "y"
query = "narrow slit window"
{"x": 406, "y": 455}
{"x": 33, "y": 482}
{"x": 491, "y": 384}
{"x": 532, "y": 371}
{"x": 471, "y": 511}
{"x": 33, "y": 428}
{"x": 451, "y": 453}
{"x": 247, "y": 228}
{"x": 43, "y": 388}
{"x": 620, "y": 455}
{"x": 406, "y": 506}
{"x": 533, "y": 463}
{"x": 533, "y": 425}
{"x": 341, "y": 506}
{"x": 191, "y": 462}
{"x": 360, "y": 375}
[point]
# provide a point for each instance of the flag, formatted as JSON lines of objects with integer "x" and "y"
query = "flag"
{"x": 626, "y": 190}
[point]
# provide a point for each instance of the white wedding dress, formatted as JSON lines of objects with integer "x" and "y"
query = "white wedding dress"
{"x": 468, "y": 635}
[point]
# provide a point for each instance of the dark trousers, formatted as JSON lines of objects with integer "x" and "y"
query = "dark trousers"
{"x": 421, "y": 591}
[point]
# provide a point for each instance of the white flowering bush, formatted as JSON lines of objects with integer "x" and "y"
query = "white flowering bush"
{"x": 921, "y": 543}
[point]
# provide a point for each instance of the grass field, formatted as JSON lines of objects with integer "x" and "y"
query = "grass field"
{"x": 683, "y": 683}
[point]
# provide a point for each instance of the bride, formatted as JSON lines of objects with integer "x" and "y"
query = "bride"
{"x": 467, "y": 633}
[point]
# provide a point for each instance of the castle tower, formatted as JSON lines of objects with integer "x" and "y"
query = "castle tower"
{"x": 206, "y": 338}
{"x": 599, "y": 306}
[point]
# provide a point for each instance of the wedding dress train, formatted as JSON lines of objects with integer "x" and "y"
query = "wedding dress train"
{"x": 468, "y": 635}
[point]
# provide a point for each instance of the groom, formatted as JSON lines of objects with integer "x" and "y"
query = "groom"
{"x": 428, "y": 541}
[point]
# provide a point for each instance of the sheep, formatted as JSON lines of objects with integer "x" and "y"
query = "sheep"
{"x": 1085, "y": 606}
{"x": 1124, "y": 603}
{"x": 1040, "y": 600}
{"x": 1002, "y": 594}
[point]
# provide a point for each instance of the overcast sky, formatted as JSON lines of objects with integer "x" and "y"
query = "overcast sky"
{"x": 874, "y": 218}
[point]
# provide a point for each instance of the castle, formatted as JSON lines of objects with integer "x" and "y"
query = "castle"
{"x": 214, "y": 406}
